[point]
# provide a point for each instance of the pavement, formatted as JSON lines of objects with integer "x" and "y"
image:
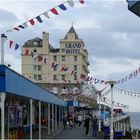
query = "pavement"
{"x": 76, "y": 133}
{"x": 68, "y": 133}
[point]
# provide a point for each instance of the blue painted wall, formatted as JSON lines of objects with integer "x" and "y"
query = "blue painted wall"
{"x": 2, "y": 78}
{"x": 17, "y": 84}
{"x": 73, "y": 103}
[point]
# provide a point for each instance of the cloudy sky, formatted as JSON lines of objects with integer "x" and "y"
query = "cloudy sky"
{"x": 110, "y": 31}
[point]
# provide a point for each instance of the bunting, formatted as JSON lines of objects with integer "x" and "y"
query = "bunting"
{"x": 54, "y": 10}
{"x": 129, "y": 93}
{"x": 11, "y": 42}
{"x": 129, "y": 77}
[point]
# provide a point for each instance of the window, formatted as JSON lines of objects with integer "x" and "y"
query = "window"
{"x": 54, "y": 58}
{"x": 63, "y": 50}
{"x": 54, "y": 77}
{"x": 75, "y": 77}
{"x": 63, "y": 58}
{"x": 35, "y": 43}
{"x": 37, "y": 67}
{"x": 63, "y": 77}
{"x": 75, "y": 58}
{"x": 37, "y": 77}
{"x": 75, "y": 67}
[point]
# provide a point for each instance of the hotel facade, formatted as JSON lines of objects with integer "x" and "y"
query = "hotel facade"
{"x": 60, "y": 70}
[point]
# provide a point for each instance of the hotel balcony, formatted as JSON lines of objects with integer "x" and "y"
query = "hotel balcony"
{"x": 134, "y": 6}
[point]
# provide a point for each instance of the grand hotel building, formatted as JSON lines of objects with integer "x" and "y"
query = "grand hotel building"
{"x": 59, "y": 70}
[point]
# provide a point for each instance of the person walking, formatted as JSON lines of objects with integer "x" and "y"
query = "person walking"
{"x": 65, "y": 121}
{"x": 80, "y": 120}
{"x": 71, "y": 121}
{"x": 94, "y": 125}
{"x": 86, "y": 125}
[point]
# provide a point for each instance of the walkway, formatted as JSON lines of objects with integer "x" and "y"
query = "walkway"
{"x": 68, "y": 133}
{"x": 76, "y": 133}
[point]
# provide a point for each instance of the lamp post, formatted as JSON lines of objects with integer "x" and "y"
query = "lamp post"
{"x": 111, "y": 125}
{"x": 99, "y": 122}
{"x": 104, "y": 109}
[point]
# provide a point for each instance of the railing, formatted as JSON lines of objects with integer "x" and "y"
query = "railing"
{"x": 136, "y": 133}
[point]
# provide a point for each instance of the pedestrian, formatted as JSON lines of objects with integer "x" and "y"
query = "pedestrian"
{"x": 64, "y": 121}
{"x": 94, "y": 125}
{"x": 71, "y": 121}
{"x": 80, "y": 120}
{"x": 86, "y": 125}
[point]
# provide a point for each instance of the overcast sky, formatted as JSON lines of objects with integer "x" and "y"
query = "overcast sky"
{"x": 109, "y": 30}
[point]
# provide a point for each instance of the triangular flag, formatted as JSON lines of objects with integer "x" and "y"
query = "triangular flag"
{"x": 81, "y": 1}
{"x": 54, "y": 11}
{"x": 40, "y": 58}
{"x": 39, "y": 19}
{"x": 45, "y": 60}
{"x": 72, "y": 72}
{"x": 65, "y": 68}
{"x": 17, "y": 29}
{"x": 16, "y": 46}
{"x": 46, "y": 15}
{"x": 71, "y": 3}
{"x": 32, "y": 21}
{"x": 62, "y": 68}
{"x": 3, "y": 35}
{"x": 21, "y": 26}
{"x": 52, "y": 65}
{"x": 62, "y": 7}
{"x": 25, "y": 25}
{"x": 11, "y": 42}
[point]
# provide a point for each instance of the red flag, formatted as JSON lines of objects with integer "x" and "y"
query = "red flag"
{"x": 62, "y": 69}
{"x": 17, "y": 29}
{"x": 52, "y": 65}
{"x": 81, "y": 1}
{"x": 72, "y": 72}
{"x": 32, "y": 21}
{"x": 54, "y": 11}
{"x": 40, "y": 58}
{"x": 11, "y": 42}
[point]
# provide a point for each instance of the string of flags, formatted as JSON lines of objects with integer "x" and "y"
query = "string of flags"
{"x": 129, "y": 77}
{"x": 38, "y": 18}
{"x": 130, "y": 93}
{"x": 108, "y": 102}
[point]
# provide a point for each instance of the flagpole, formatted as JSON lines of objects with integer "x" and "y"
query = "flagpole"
{"x": 2, "y": 50}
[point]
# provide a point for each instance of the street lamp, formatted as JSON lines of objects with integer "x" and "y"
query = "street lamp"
{"x": 99, "y": 122}
{"x": 111, "y": 125}
{"x": 104, "y": 108}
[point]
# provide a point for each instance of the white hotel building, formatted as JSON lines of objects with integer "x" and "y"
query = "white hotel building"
{"x": 57, "y": 69}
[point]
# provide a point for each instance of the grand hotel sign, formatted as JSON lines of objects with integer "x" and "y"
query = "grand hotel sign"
{"x": 72, "y": 48}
